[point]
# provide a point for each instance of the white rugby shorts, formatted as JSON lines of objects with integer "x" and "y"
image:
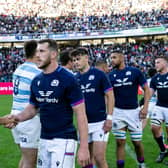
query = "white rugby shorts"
{"x": 96, "y": 132}
{"x": 27, "y": 133}
{"x": 57, "y": 152}
{"x": 160, "y": 113}
{"x": 127, "y": 118}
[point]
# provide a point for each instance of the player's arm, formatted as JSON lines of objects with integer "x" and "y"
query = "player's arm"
{"x": 144, "y": 110}
{"x": 29, "y": 112}
{"x": 109, "y": 97}
{"x": 82, "y": 123}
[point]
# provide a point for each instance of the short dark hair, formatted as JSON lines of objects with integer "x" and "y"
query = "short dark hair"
{"x": 64, "y": 57}
{"x": 151, "y": 72}
{"x": 51, "y": 43}
{"x": 79, "y": 51}
{"x": 162, "y": 57}
{"x": 100, "y": 62}
{"x": 30, "y": 48}
{"x": 116, "y": 50}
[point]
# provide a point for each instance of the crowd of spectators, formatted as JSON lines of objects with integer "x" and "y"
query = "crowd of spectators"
{"x": 56, "y": 8}
{"x": 21, "y": 17}
{"x": 25, "y": 24}
{"x": 140, "y": 55}
{"x": 10, "y": 58}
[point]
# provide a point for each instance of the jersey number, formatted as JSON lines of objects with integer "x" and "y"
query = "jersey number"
{"x": 16, "y": 85}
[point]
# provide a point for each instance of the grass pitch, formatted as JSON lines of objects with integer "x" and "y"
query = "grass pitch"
{"x": 10, "y": 155}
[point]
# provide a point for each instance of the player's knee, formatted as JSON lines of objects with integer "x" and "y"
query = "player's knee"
{"x": 136, "y": 136}
{"x": 100, "y": 159}
{"x": 156, "y": 122}
{"x": 137, "y": 144}
{"x": 119, "y": 134}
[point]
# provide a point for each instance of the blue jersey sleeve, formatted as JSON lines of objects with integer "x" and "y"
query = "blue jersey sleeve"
{"x": 74, "y": 93}
{"x": 32, "y": 100}
{"x": 105, "y": 82}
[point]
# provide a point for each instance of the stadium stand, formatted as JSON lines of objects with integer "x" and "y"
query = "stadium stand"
{"x": 58, "y": 17}
{"x": 10, "y": 24}
{"x": 57, "y": 8}
{"x": 137, "y": 54}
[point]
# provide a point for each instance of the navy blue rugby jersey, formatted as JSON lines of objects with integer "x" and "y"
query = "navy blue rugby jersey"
{"x": 94, "y": 84}
{"x": 125, "y": 84}
{"x": 55, "y": 94}
{"x": 160, "y": 84}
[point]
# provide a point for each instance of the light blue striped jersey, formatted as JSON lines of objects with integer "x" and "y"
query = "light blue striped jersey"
{"x": 22, "y": 78}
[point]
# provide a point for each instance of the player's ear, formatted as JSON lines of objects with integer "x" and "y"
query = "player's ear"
{"x": 122, "y": 57}
{"x": 87, "y": 57}
{"x": 54, "y": 54}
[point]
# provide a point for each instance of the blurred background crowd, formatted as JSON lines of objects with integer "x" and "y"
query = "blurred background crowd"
{"x": 25, "y": 24}
{"x": 137, "y": 54}
{"x": 57, "y": 8}
{"x": 65, "y": 16}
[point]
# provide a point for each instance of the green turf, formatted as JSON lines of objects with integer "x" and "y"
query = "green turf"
{"x": 9, "y": 153}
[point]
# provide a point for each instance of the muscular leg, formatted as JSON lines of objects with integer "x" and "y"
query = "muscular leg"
{"x": 139, "y": 151}
{"x": 29, "y": 158}
{"x": 156, "y": 131}
{"x": 120, "y": 150}
{"x": 99, "y": 152}
{"x": 157, "y": 134}
{"x": 120, "y": 136}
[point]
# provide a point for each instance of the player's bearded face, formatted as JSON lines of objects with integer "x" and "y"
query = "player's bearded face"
{"x": 43, "y": 55}
{"x": 115, "y": 60}
{"x": 42, "y": 64}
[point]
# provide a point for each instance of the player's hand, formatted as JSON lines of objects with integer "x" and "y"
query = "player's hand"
{"x": 6, "y": 119}
{"x": 83, "y": 156}
{"x": 107, "y": 126}
{"x": 143, "y": 113}
{"x": 11, "y": 121}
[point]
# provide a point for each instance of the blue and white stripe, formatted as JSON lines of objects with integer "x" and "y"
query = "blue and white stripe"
{"x": 25, "y": 73}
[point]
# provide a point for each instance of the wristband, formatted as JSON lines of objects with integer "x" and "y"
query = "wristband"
{"x": 109, "y": 117}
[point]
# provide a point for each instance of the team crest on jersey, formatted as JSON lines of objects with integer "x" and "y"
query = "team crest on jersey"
{"x": 128, "y": 73}
{"x": 91, "y": 77}
{"x": 55, "y": 82}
